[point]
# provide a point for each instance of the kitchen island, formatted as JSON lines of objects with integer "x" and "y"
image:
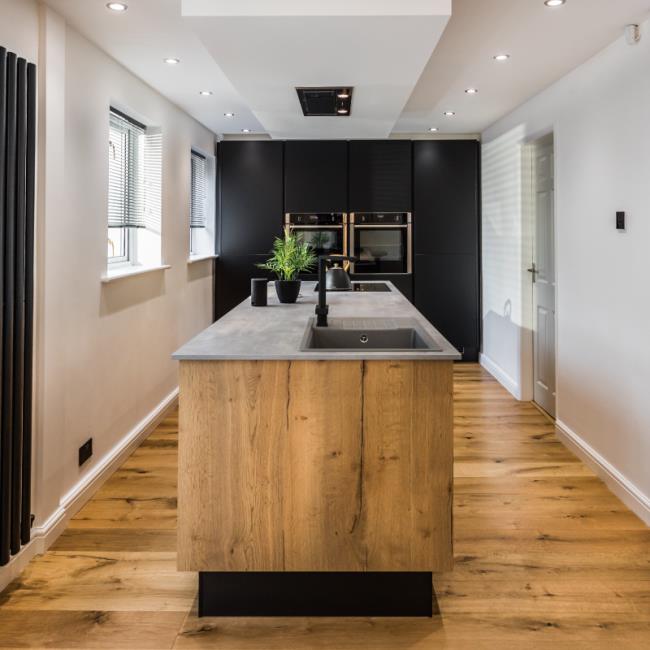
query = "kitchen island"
{"x": 314, "y": 481}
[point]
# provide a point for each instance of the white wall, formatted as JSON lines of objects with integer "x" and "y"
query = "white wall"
{"x": 103, "y": 351}
{"x": 109, "y": 345}
{"x": 19, "y": 27}
{"x": 506, "y": 326}
{"x": 600, "y": 115}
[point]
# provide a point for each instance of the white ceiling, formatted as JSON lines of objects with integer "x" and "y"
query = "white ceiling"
{"x": 259, "y": 50}
{"x": 544, "y": 44}
{"x": 266, "y": 57}
{"x": 142, "y": 37}
{"x": 316, "y": 7}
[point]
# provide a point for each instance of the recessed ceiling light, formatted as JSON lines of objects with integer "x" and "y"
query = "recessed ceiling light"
{"x": 554, "y": 3}
{"x": 433, "y": 129}
{"x": 117, "y": 6}
{"x": 245, "y": 130}
{"x": 342, "y": 111}
{"x": 471, "y": 91}
{"x": 229, "y": 115}
{"x": 449, "y": 113}
{"x": 172, "y": 60}
{"x": 206, "y": 93}
{"x": 501, "y": 57}
{"x": 343, "y": 95}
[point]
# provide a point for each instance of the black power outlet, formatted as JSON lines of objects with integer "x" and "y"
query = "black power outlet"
{"x": 85, "y": 451}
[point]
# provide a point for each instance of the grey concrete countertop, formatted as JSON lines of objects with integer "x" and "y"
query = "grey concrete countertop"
{"x": 276, "y": 332}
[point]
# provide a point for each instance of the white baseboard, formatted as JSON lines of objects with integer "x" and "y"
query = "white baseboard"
{"x": 623, "y": 488}
{"x": 502, "y": 377}
{"x": 43, "y": 536}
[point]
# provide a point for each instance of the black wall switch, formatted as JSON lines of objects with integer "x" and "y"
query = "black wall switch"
{"x": 85, "y": 451}
{"x": 620, "y": 221}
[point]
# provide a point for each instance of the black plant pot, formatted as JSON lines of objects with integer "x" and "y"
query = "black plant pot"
{"x": 287, "y": 290}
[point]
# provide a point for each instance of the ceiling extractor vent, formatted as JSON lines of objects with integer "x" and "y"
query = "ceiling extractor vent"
{"x": 330, "y": 101}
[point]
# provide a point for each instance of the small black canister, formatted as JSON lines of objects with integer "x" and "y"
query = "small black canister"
{"x": 259, "y": 291}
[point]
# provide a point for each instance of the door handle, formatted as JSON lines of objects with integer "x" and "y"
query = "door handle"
{"x": 533, "y": 270}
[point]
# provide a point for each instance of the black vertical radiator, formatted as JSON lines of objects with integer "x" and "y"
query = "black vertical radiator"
{"x": 17, "y": 189}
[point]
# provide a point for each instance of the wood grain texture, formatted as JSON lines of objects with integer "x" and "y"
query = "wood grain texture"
{"x": 543, "y": 561}
{"x": 88, "y": 630}
{"x": 233, "y": 420}
{"x": 321, "y": 468}
{"x": 407, "y": 470}
{"x": 315, "y": 466}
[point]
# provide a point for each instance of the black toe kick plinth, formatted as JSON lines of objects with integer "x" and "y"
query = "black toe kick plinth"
{"x": 316, "y": 594}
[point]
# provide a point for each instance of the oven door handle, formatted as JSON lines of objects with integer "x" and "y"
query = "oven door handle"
{"x": 293, "y": 226}
{"x": 380, "y": 226}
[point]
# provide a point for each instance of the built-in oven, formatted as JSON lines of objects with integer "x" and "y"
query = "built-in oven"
{"x": 325, "y": 232}
{"x": 381, "y": 242}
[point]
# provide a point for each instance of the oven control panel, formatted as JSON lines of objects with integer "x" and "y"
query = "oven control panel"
{"x": 315, "y": 219}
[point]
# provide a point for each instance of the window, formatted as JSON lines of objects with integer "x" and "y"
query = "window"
{"x": 201, "y": 205}
{"x": 134, "y": 192}
{"x": 198, "y": 207}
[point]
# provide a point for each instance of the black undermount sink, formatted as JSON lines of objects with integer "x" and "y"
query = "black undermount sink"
{"x": 368, "y": 334}
{"x": 369, "y": 287}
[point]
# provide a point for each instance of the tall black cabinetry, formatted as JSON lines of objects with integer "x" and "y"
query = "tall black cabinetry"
{"x": 447, "y": 239}
{"x": 380, "y": 176}
{"x": 381, "y": 181}
{"x": 436, "y": 180}
{"x": 251, "y": 204}
{"x": 316, "y": 176}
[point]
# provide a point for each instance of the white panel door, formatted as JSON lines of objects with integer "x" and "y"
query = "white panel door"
{"x": 543, "y": 276}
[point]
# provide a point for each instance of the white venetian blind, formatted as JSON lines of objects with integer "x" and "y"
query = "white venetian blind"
{"x": 126, "y": 196}
{"x": 153, "y": 180}
{"x": 198, "y": 207}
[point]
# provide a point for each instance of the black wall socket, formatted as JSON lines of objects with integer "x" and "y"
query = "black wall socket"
{"x": 85, "y": 451}
{"x": 620, "y": 221}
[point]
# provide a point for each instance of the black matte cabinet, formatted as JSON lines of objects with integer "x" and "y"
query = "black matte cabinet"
{"x": 446, "y": 197}
{"x": 380, "y": 176}
{"x": 250, "y": 198}
{"x": 447, "y": 293}
{"x": 446, "y": 220}
{"x": 233, "y": 279}
{"x": 316, "y": 176}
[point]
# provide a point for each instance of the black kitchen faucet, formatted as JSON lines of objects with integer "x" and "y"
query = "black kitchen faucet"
{"x": 321, "y": 308}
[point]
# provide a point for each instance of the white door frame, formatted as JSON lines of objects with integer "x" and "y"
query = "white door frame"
{"x": 528, "y": 241}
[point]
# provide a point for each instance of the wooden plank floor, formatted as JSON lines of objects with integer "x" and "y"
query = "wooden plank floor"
{"x": 546, "y": 557}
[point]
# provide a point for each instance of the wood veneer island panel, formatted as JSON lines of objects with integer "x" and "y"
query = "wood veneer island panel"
{"x": 315, "y": 466}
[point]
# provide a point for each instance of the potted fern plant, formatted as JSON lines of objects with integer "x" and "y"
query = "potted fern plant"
{"x": 290, "y": 257}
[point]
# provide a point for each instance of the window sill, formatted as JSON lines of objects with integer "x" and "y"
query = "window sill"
{"x": 129, "y": 271}
{"x": 200, "y": 258}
